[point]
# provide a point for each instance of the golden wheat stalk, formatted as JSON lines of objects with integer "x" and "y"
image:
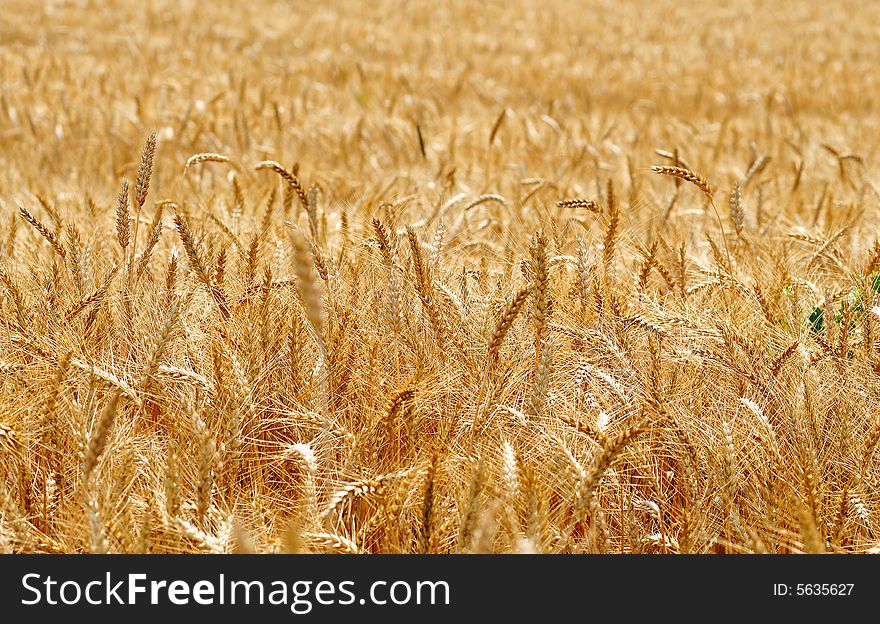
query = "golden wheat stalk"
{"x": 685, "y": 174}
{"x": 205, "y": 157}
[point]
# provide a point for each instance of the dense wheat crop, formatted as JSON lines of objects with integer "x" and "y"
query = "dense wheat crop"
{"x": 439, "y": 277}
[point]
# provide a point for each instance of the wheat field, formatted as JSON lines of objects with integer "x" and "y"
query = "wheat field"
{"x": 454, "y": 277}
